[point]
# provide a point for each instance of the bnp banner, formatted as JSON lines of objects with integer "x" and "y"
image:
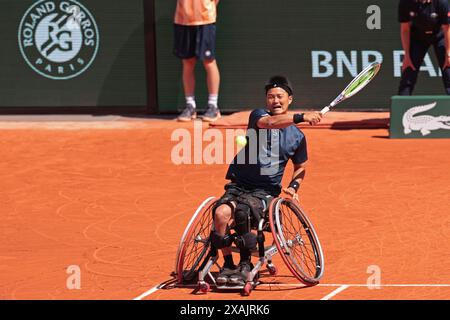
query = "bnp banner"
{"x": 319, "y": 45}
{"x": 68, "y": 53}
{"x": 420, "y": 117}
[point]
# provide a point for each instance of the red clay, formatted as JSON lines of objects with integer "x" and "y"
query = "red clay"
{"x": 113, "y": 203}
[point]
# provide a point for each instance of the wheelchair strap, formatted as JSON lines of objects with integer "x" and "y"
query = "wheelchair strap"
{"x": 257, "y": 203}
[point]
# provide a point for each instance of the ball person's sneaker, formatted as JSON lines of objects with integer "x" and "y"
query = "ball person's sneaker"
{"x": 188, "y": 113}
{"x": 212, "y": 113}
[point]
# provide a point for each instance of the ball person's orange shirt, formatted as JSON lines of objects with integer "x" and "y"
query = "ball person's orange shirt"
{"x": 195, "y": 12}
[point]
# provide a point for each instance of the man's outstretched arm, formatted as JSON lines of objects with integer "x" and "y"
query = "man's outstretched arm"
{"x": 285, "y": 120}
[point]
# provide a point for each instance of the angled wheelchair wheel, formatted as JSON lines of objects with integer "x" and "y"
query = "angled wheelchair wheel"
{"x": 195, "y": 244}
{"x": 296, "y": 240}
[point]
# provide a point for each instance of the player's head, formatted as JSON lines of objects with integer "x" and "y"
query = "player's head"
{"x": 278, "y": 94}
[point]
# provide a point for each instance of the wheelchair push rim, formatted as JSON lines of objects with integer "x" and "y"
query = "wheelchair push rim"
{"x": 296, "y": 240}
{"x": 195, "y": 243}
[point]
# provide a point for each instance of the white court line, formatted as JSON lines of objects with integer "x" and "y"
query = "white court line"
{"x": 332, "y": 285}
{"x": 385, "y": 285}
{"x": 340, "y": 288}
{"x": 149, "y": 292}
{"x": 335, "y": 292}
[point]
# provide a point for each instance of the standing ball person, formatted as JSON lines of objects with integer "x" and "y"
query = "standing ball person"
{"x": 254, "y": 183}
{"x": 195, "y": 39}
{"x": 424, "y": 23}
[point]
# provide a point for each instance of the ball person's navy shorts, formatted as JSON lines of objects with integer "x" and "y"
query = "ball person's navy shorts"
{"x": 195, "y": 41}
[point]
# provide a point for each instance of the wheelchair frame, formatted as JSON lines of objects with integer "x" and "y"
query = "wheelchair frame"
{"x": 208, "y": 256}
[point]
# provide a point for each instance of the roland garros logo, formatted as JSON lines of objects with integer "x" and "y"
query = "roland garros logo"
{"x": 58, "y": 39}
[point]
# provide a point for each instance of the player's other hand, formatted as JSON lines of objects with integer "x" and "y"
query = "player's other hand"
{"x": 313, "y": 117}
{"x": 291, "y": 192}
{"x": 407, "y": 63}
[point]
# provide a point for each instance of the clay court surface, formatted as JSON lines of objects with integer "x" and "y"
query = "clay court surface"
{"x": 105, "y": 196}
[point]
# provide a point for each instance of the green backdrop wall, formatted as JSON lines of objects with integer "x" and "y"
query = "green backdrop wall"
{"x": 260, "y": 38}
{"x": 320, "y": 45}
{"x": 116, "y": 76}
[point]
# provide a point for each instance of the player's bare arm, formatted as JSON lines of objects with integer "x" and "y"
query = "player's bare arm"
{"x": 278, "y": 100}
{"x": 297, "y": 178}
{"x": 286, "y": 120}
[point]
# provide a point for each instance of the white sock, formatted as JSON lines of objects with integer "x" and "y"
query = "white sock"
{"x": 212, "y": 99}
{"x": 191, "y": 100}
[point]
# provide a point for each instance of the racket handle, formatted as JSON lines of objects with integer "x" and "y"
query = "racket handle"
{"x": 325, "y": 110}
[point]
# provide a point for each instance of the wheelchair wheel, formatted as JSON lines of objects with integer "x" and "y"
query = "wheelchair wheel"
{"x": 195, "y": 243}
{"x": 296, "y": 240}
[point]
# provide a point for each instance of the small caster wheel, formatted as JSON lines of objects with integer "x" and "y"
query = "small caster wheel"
{"x": 204, "y": 287}
{"x": 248, "y": 289}
{"x": 272, "y": 270}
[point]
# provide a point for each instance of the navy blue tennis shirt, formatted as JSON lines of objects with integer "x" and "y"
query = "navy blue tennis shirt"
{"x": 261, "y": 164}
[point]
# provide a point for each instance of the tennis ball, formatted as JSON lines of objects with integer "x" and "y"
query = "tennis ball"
{"x": 241, "y": 141}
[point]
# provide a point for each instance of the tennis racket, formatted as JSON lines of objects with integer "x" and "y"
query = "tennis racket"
{"x": 359, "y": 82}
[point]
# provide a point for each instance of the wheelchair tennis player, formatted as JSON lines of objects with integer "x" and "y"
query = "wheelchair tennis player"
{"x": 254, "y": 183}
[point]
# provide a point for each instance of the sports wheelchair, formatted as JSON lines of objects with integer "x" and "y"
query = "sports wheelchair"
{"x": 293, "y": 236}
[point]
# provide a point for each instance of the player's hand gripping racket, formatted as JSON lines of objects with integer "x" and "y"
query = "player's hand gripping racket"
{"x": 359, "y": 82}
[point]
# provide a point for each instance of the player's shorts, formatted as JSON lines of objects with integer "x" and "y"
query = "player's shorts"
{"x": 258, "y": 200}
{"x": 195, "y": 41}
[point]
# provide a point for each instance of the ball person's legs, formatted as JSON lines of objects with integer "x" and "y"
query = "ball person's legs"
{"x": 212, "y": 76}
{"x": 189, "y": 76}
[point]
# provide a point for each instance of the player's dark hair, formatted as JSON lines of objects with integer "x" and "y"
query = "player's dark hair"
{"x": 281, "y": 82}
